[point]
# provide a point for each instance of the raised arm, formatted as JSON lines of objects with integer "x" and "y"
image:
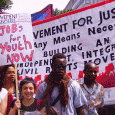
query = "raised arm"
{"x": 13, "y": 110}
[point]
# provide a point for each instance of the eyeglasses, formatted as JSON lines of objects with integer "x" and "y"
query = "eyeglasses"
{"x": 10, "y": 72}
{"x": 60, "y": 66}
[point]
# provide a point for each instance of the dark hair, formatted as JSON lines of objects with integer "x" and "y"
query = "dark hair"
{"x": 27, "y": 80}
{"x": 3, "y": 70}
{"x": 59, "y": 55}
{"x": 6, "y": 67}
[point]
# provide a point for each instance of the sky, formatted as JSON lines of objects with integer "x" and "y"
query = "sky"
{"x": 32, "y": 6}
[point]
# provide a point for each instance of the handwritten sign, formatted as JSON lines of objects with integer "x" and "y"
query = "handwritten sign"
{"x": 16, "y": 39}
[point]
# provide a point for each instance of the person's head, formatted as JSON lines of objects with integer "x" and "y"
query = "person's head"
{"x": 90, "y": 71}
{"x": 59, "y": 65}
{"x": 27, "y": 88}
{"x": 8, "y": 73}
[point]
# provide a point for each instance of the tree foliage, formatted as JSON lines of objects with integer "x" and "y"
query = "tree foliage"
{"x": 57, "y": 12}
{"x": 5, "y": 4}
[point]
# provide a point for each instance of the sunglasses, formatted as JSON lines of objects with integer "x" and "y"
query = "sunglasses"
{"x": 60, "y": 66}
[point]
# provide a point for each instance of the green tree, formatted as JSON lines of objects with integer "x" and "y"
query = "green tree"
{"x": 5, "y": 4}
{"x": 57, "y": 12}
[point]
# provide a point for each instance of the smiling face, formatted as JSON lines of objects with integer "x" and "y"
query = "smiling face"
{"x": 59, "y": 68}
{"x": 10, "y": 74}
{"x": 28, "y": 90}
{"x": 90, "y": 71}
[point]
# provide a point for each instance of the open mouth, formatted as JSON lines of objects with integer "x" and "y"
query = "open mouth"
{"x": 60, "y": 71}
{"x": 12, "y": 77}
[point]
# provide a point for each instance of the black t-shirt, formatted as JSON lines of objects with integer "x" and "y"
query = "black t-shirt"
{"x": 32, "y": 107}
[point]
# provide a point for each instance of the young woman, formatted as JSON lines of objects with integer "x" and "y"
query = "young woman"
{"x": 8, "y": 80}
{"x": 3, "y": 98}
{"x": 27, "y": 103}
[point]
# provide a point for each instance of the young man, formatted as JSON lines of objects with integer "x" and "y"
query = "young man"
{"x": 71, "y": 98}
{"x": 92, "y": 90}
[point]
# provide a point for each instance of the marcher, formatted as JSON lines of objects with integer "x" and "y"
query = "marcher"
{"x": 59, "y": 84}
{"x": 27, "y": 103}
{"x": 8, "y": 79}
{"x": 92, "y": 90}
{"x": 3, "y": 98}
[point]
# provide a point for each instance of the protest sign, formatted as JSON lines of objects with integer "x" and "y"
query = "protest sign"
{"x": 83, "y": 35}
{"x": 16, "y": 39}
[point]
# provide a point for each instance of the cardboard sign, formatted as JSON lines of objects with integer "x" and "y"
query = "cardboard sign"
{"x": 16, "y": 39}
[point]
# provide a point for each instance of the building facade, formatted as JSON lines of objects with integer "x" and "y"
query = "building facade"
{"x": 76, "y": 4}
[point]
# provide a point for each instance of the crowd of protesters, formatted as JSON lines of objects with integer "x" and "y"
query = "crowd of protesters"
{"x": 58, "y": 94}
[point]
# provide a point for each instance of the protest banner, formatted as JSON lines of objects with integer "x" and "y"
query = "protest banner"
{"x": 16, "y": 39}
{"x": 83, "y": 35}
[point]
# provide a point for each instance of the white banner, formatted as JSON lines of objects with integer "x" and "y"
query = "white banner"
{"x": 16, "y": 39}
{"x": 83, "y": 35}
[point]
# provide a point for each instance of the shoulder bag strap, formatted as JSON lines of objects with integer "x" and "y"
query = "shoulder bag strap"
{"x": 56, "y": 100}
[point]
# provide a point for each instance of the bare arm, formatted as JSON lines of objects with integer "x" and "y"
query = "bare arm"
{"x": 16, "y": 106}
{"x": 3, "y": 105}
{"x": 12, "y": 111}
{"x": 80, "y": 111}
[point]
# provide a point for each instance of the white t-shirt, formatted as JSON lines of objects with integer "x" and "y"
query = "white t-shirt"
{"x": 76, "y": 98}
{"x": 3, "y": 93}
